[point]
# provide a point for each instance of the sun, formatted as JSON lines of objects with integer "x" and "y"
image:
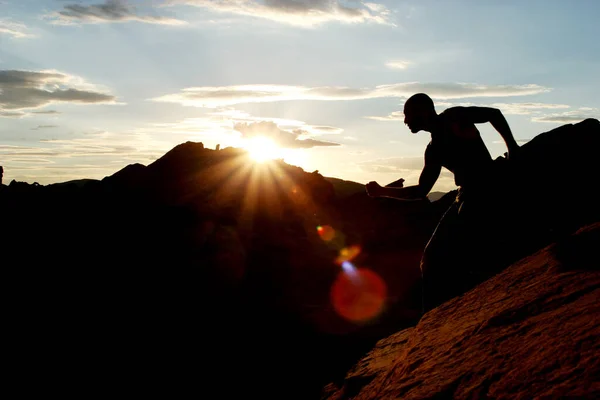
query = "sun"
{"x": 262, "y": 149}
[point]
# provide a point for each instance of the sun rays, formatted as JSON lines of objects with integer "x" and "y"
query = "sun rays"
{"x": 264, "y": 193}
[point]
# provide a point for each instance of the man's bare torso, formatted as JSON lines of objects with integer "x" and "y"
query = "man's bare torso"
{"x": 457, "y": 145}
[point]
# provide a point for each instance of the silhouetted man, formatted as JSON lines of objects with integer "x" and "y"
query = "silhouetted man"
{"x": 455, "y": 144}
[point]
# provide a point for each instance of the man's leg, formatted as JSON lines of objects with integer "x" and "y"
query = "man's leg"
{"x": 488, "y": 230}
{"x": 440, "y": 279}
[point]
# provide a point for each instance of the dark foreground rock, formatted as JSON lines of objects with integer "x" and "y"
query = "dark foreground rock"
{"x": 533, "y": 331}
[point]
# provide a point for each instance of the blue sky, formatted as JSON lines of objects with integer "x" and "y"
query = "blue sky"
{"x": 88, "y": 87}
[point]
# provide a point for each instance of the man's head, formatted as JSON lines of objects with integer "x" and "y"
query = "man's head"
{"x": 419, "y": 112}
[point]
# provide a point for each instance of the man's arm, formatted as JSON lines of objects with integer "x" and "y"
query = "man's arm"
{"x": 428, "y": 177}
{"x": 480, "y": 115}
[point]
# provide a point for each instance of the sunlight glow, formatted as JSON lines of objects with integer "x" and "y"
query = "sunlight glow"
{"x": 262, "y": 149}
{"x": 297, "y": 157}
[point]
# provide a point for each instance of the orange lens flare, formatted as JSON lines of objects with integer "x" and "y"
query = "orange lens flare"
{"x": 358, "y": 295}
{"x": 348, "y": 254}
{"x": 326, "y": 232}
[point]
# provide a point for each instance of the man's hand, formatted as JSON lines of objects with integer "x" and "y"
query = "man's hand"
{"x": 374, "y": 189}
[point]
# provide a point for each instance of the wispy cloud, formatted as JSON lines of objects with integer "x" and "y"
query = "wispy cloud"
{"x": 37, "y": 128}
{"x": 283, "y": 138}
{"x": 506, "y": 108}
{"x": 21, "y": 114}
{"x": 21, "y": 91}
{"x": 569, "y": 116}
{"x": 93, "y": 156}
{"x": 398, "y": 64}
{"x": 324, "y": 130}
{"x": 526, "y": 108}
{"x": 393, "y": 116}
{"x": 228, "y": 95}
{"x": 396, "y": 164}
{"x": 11, "y": 114}
{"x": 222, "y": 121}
{"x": 107, "y": 12}
{"x": 46, "y": 112}
{"x": 303, "y": 13}
{"x": 14, "y": 29}
{"x": 408, "y": 168}
{"x": 230, "y": 127}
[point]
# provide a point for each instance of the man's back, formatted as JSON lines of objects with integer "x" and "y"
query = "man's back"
{"x": 457, "y": 145}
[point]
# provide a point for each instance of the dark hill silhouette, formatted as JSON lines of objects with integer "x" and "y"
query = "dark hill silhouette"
{"x": 203, "y": 259}
{"x": 344, "y": 188}
{"x": 78, "y": 183}
{"x": 435, "y": 196}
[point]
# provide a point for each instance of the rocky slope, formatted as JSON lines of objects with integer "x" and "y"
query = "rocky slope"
{"x": 533, "y": 331}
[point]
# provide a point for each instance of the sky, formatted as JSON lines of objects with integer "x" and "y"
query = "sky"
{"x": 88, "y": 87}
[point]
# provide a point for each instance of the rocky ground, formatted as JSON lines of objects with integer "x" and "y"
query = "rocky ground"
{"x": 533, "y": 331}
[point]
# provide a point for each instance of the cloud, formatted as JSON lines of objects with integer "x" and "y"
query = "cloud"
{"x": 37, "y": 128}
{"x": 398, "y": 64}
{"x": 25, "y": 90}
{"x": 409, "y": 167}
{"x": 47, "y": 112}
{"x": 303, "y": 13}
{"x": 107, "y": 12}
{"x": 211, "y": 97}
{"x": 526, "y": 108}
{"x": 221, "y": 123}
{"x": 396, "y": 164}
{"x": 444, "y": 91}
{"x": 394, "y": 116}
{"x": 92, "y": 156}
{"x": 11, "y": 114}
{"x": 324, "y": 130}
{"x": 569, "y": 116}
{"x": 73, "y": 148}
{"x": 280, "y": 137}
{"x": 506, "y": 108}
{"x": 14, "y": 29}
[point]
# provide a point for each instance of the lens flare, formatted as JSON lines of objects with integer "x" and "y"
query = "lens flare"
{"x": 347, "y": 254}
{"x": 326, "y": 232}
{"x": 348, "y": 267}
{"x": 358, "y": 294}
